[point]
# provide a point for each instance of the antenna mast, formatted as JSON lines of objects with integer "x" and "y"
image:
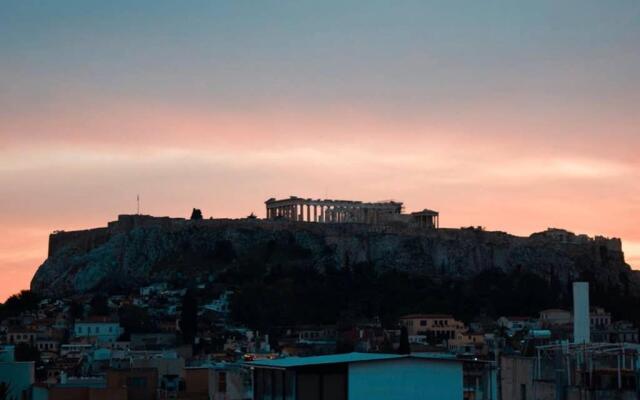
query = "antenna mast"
{"x": 138, "y": 203}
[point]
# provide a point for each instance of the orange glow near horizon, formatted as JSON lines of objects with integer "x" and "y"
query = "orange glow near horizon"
{"x": 497, "y": 182}
{"x": 515, "y": 116}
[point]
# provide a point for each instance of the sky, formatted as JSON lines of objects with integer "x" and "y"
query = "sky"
{"x": 515, "y": 116}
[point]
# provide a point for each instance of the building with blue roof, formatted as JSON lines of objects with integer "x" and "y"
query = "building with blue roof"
{"x": 359, "y": 376}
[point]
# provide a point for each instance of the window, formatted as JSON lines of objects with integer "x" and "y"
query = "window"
{"x": 222, "y": 382}
{"x": 423, "y": 323}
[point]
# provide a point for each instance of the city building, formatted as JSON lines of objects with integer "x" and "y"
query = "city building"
{"x": 98, "y": 329}
{"x": 436, "y": 327}
{"x": 555, "y": 316}
{"x": 599, "y": 318}
{"x": 218, "y": 381}
{"x": 22, "y": 335}
{"x": 359, "y": 376}
{"x": 515, "y": 324}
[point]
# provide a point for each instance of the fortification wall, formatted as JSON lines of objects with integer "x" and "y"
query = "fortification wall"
{"x": 83, "y": 240}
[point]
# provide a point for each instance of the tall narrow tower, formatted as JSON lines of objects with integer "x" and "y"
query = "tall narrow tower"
{"x": 581, "y": 319}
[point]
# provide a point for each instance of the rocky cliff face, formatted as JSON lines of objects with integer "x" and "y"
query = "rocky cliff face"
{"x": 138, "y": 250}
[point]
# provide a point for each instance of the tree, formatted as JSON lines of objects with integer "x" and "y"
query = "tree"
{"x": 5, "y": 389}
{"x": 18, "y": 303}
{"x": 134, "y": 319}
{"x": 99, "y": 305}
{"x": 26, "y": 352}
{"x": 196, "y": 214}
{"x": 404, "y": 347}
{"x": 76, "y": 310}
{"x": 189, "y": 317}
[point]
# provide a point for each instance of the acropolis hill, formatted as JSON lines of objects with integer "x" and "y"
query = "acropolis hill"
{"x": 136, "y": 250}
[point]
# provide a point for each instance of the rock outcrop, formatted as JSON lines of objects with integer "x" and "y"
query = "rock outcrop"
{"x": 137, "y": 250}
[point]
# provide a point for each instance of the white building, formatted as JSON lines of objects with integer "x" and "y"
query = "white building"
{"x": 555, "y": 316}
{"x": 513, "y": 325}
{"x": 359, "y": 376}
{"x": 221, "y": 304}
{"x": 101, "y": 331}
{"x": 153, "y": 289}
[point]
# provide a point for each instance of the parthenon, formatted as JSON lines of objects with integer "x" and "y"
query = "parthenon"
{"x": 336, "y": 211}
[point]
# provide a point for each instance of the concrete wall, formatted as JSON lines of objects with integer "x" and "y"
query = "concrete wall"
{"x": 405, "y": 379}
{"x": 516, "y": 377}
{"x": 20, "y": 376}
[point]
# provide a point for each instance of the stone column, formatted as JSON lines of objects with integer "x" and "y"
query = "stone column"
{"x": 315, "y": 213}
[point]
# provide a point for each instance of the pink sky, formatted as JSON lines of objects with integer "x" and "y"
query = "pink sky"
{"x": 217, "y": 163}
{"x": 513, "y": 116}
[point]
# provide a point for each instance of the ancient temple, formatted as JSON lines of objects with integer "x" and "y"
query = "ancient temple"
{"x": 336, "y": 211}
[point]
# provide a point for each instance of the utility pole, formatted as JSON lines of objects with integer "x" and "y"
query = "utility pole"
{"x": 138, "y": 204}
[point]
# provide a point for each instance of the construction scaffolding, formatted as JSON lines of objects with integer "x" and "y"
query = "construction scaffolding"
{"x": 587, "y": 371}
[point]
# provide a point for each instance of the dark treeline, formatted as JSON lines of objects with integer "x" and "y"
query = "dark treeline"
{"x": 306, "y": 296}
{"x": 24, "y": 301}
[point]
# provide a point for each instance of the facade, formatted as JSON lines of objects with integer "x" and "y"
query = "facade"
{"x": 102, "y": 331}
{"x": 555, "y": 316}
{"x": 438, "y": 327}
{"x": 83, "y": 389}
{"x": 337, "y": 211}
{"x": 19, "y": 375}
{"x": 471, "y": 343}
{"x": 47, "y": 345}
{"x": 512, "y": 325}
{"x": 21, "y": 336}
{"x": 480, "y": 380}
{"x": 218, "y": 382}
{"x": 318, "y": 210}
{"x": 141, "y": 383}
{"x": 359, "y": 376}
{"x": 517, "y": 380}
{"x": 599, "y": 318}
{"x": 619, "y": 332}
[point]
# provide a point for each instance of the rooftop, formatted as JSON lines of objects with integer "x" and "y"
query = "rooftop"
{"x": 427, "y": 316}
{"x": 293, "y": 362}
